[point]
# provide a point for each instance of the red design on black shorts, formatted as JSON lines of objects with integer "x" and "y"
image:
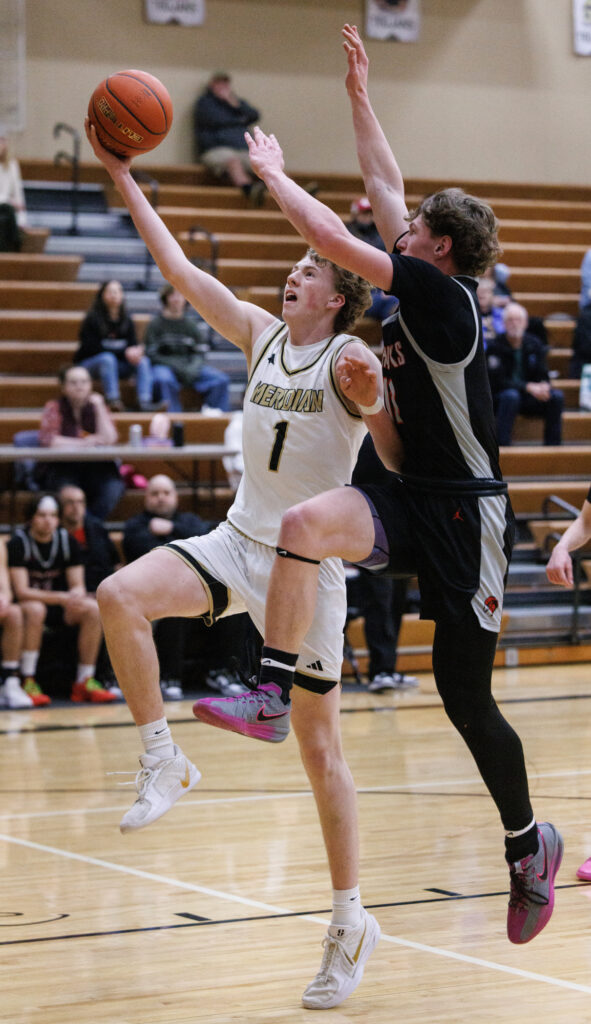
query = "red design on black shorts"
{"x": 491, "y": 604}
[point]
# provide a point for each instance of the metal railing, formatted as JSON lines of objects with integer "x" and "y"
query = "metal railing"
{"x": 73, "y": 159}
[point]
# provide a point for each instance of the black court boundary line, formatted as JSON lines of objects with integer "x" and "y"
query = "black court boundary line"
{"x": 197, "y": 922}
{"x": 344, "y": 711}
{"x": 365, "y": 791}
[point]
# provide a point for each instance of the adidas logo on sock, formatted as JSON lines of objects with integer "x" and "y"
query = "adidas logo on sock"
{"x": 316, "y": 666}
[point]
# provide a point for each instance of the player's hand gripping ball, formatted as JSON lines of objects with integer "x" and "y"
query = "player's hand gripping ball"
{"x": 131, "y": 111}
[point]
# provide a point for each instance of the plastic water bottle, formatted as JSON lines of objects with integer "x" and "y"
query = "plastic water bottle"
{"x": 135, "y": 435}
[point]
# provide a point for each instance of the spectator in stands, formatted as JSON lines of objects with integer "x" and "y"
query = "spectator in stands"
{"x": 220, "y": 119}
{"x": 13, "y": 214}
{"x": 380, "y": 600}
{"x": 99, "y": 556}
{"x": 176, "y": 345}
{"x": 47, "y": 577}
{"x": 12, "y": 694}
{"x": 79, "y": 419}
{"x": 98, "y": 553}
{"x": 362, "y": 225}
{"x": 581, "y": 343}
{"x": 110, "y": 351}
{"x": 519, "y": 379}
{"x": 160, "y": 522}
{"x": 585, "y": 296}
{"x": 491, "y": 313}
{"x": 582, "y": 333}
{"x": 382, "y": 603}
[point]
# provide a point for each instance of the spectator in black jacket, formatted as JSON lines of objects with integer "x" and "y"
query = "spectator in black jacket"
{"x": 160, "y": 522}
{"x": 110, "y": 351}
{"x": 220, "y": 119}
{"x": 519, "y": 379}
{"x": 98, "y": 553}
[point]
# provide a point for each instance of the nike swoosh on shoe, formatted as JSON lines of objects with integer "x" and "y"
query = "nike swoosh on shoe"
{"x": 543, "y": 876}
{"x": 262, "y": 717}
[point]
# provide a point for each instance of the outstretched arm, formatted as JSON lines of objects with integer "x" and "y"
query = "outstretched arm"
{"x": 560, "y": 567}
{"x": 381, "y": 174}
{"x": 240, "y": 322}
{"x": 320, "y": 226}
{"x": 359, "y": 376}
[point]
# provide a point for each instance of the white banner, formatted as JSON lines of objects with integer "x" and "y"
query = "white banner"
{"x": 393, "y": 19}
{"x": 175, "y": 12}
{"x": 582, "y": 27}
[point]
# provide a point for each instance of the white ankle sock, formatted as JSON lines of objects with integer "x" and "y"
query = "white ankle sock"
{"x": 346, "y": 906}
{"x": 84, "y": 672}
{"x": 29, "y": 661}
{"x": 157, "y": 738}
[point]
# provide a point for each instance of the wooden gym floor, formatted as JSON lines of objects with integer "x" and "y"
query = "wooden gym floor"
{"x": 215, "y": 914}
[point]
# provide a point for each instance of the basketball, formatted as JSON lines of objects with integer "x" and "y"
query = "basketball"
{"x": 131, "y": 111}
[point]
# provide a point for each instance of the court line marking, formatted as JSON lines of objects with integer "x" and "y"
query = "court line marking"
{"x": 245, "y": 901}
{"x": 403, "y": 705}
{"x": 253, "y": 797}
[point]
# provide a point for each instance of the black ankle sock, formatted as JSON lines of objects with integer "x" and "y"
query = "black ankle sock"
{"x": 278, "y": 667}
{"x": 521, "y": 846}
{"x": 247, "y": 189}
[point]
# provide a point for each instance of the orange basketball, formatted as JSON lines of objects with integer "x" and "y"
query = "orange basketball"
{"x": 131, "y": 111}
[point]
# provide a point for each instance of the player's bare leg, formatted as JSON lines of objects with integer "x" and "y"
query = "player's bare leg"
{"x": 155, "y": 586}
{"x": 335, "y": 523}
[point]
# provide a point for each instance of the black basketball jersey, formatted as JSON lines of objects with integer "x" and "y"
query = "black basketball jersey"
{"x": 435, "y": 377}
{"x": 46, "y": 563}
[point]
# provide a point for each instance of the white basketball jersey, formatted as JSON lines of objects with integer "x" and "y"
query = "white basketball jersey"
{"x": 299, "y": 437}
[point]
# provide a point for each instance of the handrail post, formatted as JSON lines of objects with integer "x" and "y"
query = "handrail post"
{"x": 74, "y": 160}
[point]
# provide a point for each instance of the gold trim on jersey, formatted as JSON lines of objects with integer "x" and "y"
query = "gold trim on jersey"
{"x": 275, "y": 334}
{"x": 333, "y": 381}
{"x": 209, "y": 583}
{"x": 307, "y": 366}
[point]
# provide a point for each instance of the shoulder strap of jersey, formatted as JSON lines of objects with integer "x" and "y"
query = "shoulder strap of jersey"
{"x": 274, "y": 336}
{"x": 341, "y": 340}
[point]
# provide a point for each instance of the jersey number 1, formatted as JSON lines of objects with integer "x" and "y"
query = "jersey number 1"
{"x": 280, "y": 430}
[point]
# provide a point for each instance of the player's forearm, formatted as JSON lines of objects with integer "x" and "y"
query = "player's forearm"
{"x": 386, "y": 440}
{"x": 576, "y": 536}
{"x": 316, "y": 223}
{"x": 378, "y": 165}
{"x": 166, "y": 251}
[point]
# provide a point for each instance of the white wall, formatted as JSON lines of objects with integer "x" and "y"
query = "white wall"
{"x": 492, "y": 91}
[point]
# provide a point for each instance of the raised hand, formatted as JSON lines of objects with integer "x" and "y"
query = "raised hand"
{"x": 358, "y": 64}
{"x": 264, "y": 151}
{"x": 114, "y": 164}
{"x": 358, "y": 378}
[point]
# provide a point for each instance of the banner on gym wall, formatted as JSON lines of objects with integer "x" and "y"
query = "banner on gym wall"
{"x": 582, "y": 27}
{"x": 175, "y": 12}
{"x": 393, "y": 19}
